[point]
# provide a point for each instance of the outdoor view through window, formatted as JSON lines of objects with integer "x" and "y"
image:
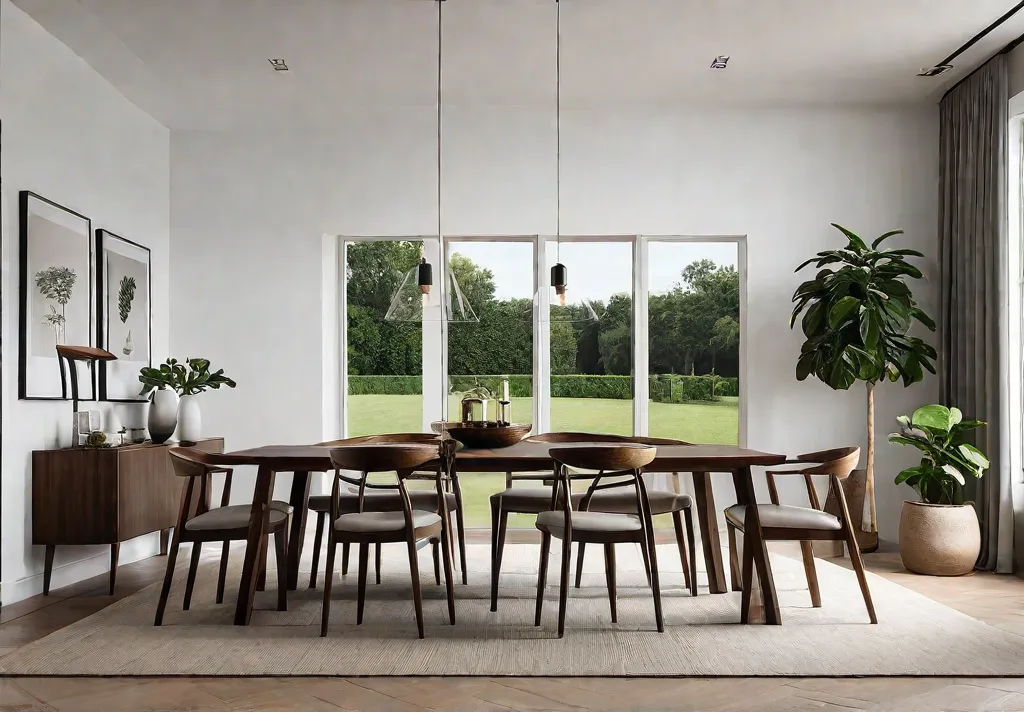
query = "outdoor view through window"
{"x": 693, "y": 302}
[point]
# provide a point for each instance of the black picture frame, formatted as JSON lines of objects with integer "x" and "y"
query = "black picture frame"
{"x": 38, "y": 378}
{"x": 107, "y": 241}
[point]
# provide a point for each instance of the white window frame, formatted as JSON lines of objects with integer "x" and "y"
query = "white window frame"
{"x": 435, "y": 340}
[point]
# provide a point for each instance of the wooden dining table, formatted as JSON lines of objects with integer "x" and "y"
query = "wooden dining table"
{"x": 702, "y": 461}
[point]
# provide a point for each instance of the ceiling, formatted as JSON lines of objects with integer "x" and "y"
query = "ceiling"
{"x": 203, "y": 63}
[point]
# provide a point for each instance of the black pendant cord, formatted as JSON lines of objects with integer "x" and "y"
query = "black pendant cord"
{"x": 440, "y": 239}
{"x": 558, "y": 132}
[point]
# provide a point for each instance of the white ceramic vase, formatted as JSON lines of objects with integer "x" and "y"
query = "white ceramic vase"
{"x": 190, "y": 420}
{"x": 163, "y": 415}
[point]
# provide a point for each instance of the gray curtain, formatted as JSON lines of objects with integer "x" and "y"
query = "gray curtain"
{"x": 972, "y": 248}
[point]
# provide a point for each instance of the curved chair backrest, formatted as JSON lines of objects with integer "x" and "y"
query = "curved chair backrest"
{"x": 577, "y": 438}
{"x": 613, "y": 457}
{"x": 190, "y": 462}
{"x": 383, "y": 457}
{"x": 385, "y": 438}
{"x": 839, "y": 461}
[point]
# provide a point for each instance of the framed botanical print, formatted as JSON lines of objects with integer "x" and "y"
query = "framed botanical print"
{"x": 56, "y": 295}
{"x": 125, "y": 314}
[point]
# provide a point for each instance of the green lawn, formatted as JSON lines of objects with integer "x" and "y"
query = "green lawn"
{"x": 693, "y": 422}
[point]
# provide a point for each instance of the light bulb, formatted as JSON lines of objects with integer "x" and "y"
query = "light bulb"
{"x": 561, "y": 298}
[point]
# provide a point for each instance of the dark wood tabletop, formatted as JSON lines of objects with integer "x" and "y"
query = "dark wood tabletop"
{"x": 670, "y": 458}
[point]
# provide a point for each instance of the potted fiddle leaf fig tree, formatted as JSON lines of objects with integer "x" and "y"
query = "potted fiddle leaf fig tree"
{"x": 939, "y": 535}
{"x": 857, "y": 313}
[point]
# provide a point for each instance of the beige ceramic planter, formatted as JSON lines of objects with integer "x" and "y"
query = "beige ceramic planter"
{"x": 939, "y": 539}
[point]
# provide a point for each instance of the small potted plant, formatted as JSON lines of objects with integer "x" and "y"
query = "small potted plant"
{"x": 939, "y": 535}
{"x": 170, "y": 380}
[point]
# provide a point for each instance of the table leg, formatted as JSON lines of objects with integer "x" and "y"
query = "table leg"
{"x": 299, "y": 499}
{"x": 753, "y": 538}
{"x": 259, "y": 525}
{"x": 707, "y": 517}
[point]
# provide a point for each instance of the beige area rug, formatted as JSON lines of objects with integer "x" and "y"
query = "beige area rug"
{"x": 915, "y": 635}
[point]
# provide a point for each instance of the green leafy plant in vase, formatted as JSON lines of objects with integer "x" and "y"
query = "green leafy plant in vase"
{"x": 856, "y": 315}
{"x": 170, "y": 380}
{"x": 939, "y": 534}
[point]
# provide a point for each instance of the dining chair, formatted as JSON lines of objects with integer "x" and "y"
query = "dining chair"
{"x": 198, "y": 524}
{"x": 529, "y": 500}
{"x": 409, "y": 524}
{"x": 663, "y": 501}
{"x": 622, "y": 464}
{"x": 382, "y": 499}
{"x": 782, "y": 522}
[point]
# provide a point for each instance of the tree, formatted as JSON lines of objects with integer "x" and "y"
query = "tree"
{"x": 725, "y": 336}
{"x": 476, "y": 283}
{"x": 856, "y": 321}
{"x": 563, "y": 348}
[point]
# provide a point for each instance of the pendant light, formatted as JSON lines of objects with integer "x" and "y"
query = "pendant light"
{"x": 561, "y": 307}
{"x": 416, "y": 295}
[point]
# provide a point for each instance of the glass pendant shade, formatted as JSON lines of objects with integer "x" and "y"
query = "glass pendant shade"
{"x": 415, "y": 300}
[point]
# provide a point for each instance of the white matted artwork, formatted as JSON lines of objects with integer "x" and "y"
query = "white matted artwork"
{"x": 125, "y": 314}
{"x": 56, "y": 299}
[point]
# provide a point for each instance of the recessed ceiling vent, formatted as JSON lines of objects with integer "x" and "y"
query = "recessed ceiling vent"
{"x": 720, "y": 61}
{"x": 278, "y": 65}
{"x": 935, "y": 71}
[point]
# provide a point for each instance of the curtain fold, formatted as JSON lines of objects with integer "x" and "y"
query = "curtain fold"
{"x": 973, "y": 127}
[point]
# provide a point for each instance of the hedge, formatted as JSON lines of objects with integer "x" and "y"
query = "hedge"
{"x": 664, "y": 388}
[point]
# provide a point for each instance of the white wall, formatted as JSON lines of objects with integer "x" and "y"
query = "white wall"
{"x": 248, "y": 210}
{"x": 71, "y": 137}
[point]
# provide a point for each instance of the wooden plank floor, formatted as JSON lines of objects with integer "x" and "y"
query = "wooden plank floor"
{"x": 998, "y": 600}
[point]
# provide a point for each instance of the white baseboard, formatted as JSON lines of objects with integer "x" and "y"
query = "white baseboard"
{"x": 72, "y": 572}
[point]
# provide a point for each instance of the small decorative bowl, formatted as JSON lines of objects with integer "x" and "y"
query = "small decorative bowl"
{"x": 483, "y": 435}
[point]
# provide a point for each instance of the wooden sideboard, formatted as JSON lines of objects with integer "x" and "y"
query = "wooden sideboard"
{"x": 86, "y": 496}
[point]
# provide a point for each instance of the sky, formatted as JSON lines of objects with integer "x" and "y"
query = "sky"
{"x": 596, "y": 269}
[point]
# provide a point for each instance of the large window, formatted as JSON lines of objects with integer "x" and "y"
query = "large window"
{"x": 592, "y": 361}
{"x": 384, "y": 358}
{"x": 663, "y": 358}
{"x": 496, "y": 277}
{"x": 693, "y": 311}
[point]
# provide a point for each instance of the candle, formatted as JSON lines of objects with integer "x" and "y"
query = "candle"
{"x": 504, "y": 390}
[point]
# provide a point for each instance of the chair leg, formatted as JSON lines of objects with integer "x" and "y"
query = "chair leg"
{"x": 609, "y": 574}
{"x": 734, "y": 560}
{"x": 325, "y": 613}
{"x": 659, "y": 618}
{"x": 747, "y": 581}
{"x": 807, "y": 552}
{"x": 376, "y": 562}
{"x": 435, "y": 544}
{"x": 414, "y": 571}
{"x": 364, "y": 561}
{"x": 460, "y": 525}
{"x": 344, "y": 558}
{"x": 222, "y": 574}
{"x": 165, "y": 590}
{"x": 446, "y": 557}
{"x": 190, "y": 582}
{"x": 495, "y": 502}
{"x": 563, "y": 588}
{"x": 115, "y": 550}
{"x": 677, "y": 524}
{"x": 691, "y": 543}
{"x": 580, "y": 549}
{"x": 647, "y": 562}
{"x": 542, "y": 574}
{"x": 281, "y": 555}
{"x": 320, "y": 517}
{"x": 862, "y": 579}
